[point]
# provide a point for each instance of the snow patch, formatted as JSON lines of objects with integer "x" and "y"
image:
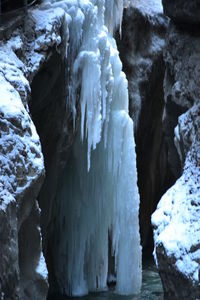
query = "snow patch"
{"x": 41, "y": 267}
{"x": 150, "y": 7}
{"x": 176, "y": 220}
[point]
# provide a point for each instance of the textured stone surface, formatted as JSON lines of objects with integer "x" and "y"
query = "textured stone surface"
{"x": 176, "y": 220}
{"x": 21, "y": 176}
{"x": 182, "y": 83}
{"x": 54, "y": 124}
{"x": 23, "y": 273}
{"x": 141, "y": 47}
{"x": 53, "y": 120}
{"x": 183, "y": 11}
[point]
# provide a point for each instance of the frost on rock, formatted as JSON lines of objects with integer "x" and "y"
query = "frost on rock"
{"x": 19, "y": 145}
{"x": 176, "y": 220}
{"x": 48, "y": 24}
{"x": 20, "y": 150}
{"x": 98, "y": 198}
{"x": 149, "y": 8}
{"x": 21, "y": 161}
{"x": 21, "y": 170}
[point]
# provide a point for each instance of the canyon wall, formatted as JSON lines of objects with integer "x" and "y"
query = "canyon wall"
{"x": 176, "y": 220}
{"x": 164, "y": 93}
{"x": 141, "y": 47}
{"x": 24, "y": 52}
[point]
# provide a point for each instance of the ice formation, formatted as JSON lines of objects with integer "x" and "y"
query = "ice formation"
{"x": 98, "y": 198}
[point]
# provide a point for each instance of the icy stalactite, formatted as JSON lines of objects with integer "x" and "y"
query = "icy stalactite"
{"x": 99, "y": 195}
{"x": 114, "y": 13}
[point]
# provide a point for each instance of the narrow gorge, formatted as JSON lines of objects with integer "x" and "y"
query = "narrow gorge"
{"x": 99, "y": 149}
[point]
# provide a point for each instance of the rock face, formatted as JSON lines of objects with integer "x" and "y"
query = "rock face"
{"x": 141, "y": 51}
{"x": 176, "y": 220}
{"x": 181, "y": 83}
{"x": 22, "y": 174}
{"x": 23, "y": 273}
{"x": 54, "y": 122}
{"x": 183, "y": 11}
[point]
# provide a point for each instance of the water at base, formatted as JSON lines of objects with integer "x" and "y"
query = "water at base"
{"x": 151, "y": 288}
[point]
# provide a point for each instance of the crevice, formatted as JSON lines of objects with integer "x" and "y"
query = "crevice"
{"x": 54, "y": 125}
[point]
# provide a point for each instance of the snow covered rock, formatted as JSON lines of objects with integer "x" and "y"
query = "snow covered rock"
{"x": 176, "y": 220}
{"x": 141, "y": 51}
{"x": 183, "y": 11}
{"x": 21, "y": 176}
{"x": 23, "y": 273}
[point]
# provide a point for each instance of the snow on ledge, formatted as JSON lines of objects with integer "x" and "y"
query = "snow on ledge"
{"x": 148, "y": 7}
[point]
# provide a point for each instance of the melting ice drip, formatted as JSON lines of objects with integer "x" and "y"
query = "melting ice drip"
{"x": 99, "y": 194}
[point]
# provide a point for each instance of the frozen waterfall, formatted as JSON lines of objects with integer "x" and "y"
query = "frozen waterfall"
{"x": 99, "y": 200}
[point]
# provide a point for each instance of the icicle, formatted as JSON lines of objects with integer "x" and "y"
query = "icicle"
{"x": 114, "y": 14}
{"x": 99, "y": 188}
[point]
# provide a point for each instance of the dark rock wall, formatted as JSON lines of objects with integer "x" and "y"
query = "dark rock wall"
{"x": 181, "y": 11}
{"x": 141, "y": 51}
{"x": 181, "y": 84}
{"x": 48, "y": 108}
{"x": 53, "y": 119}
{"x": 11, "y": 5}
{"x": 49, "y": 112}
{"x": 182, "y": 99}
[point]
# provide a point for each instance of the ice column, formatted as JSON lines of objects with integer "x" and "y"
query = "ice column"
{"x": 99, "y": 195}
